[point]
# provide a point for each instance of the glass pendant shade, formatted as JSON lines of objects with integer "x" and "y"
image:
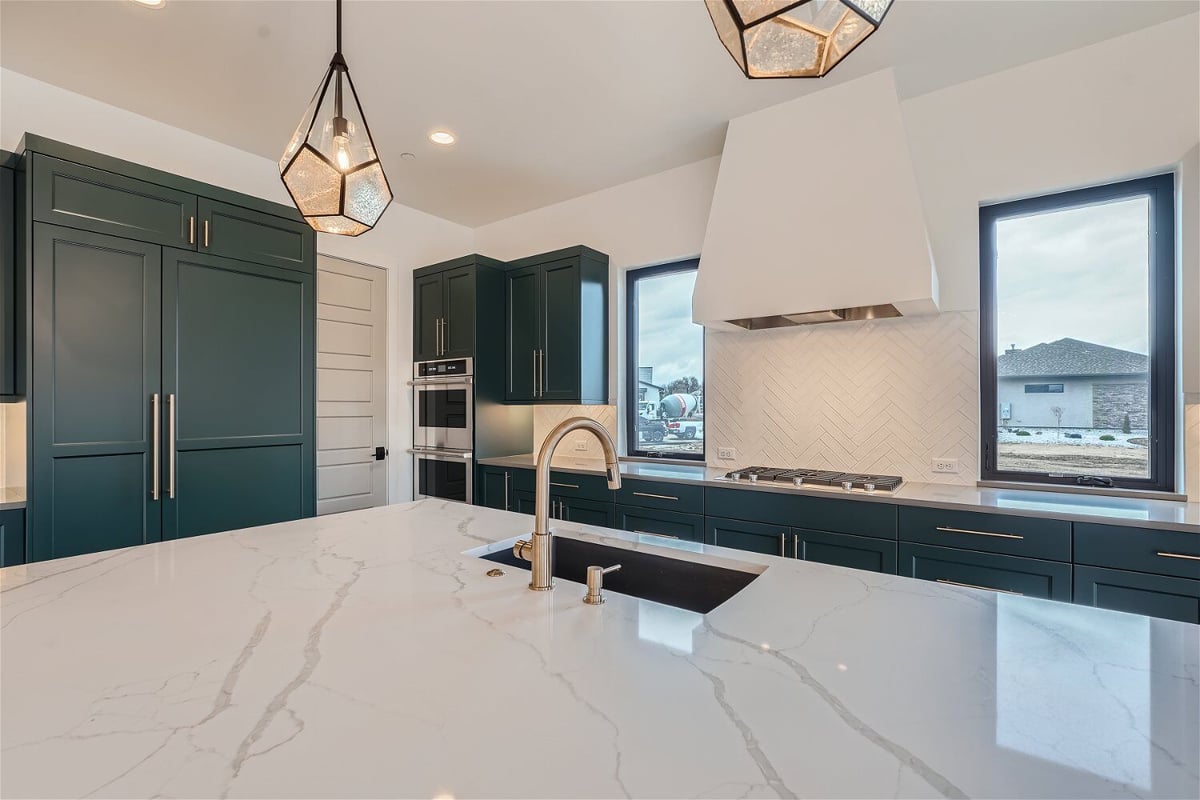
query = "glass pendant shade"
{"x": 789, "y": 39}
{"x": 330, "y": 167}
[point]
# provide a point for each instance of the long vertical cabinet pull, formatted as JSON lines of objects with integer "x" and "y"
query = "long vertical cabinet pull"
{"x": 191, "y": 230}
{"x": 783, "y": 544}
{"x": 533, "y": 377}
{"x": 507, "y": 476}
{"x": 445, "y": 335}
{"x": 206, "y": 237}
{"x": 155, "y": 446}
{"x": 795, "y": 545}
{"x": 171, "y": 446}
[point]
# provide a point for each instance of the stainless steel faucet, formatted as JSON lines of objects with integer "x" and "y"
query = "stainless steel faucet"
{"x": 540, "y": 551}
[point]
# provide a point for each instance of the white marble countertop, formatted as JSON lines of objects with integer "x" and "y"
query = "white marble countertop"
{"x": 368, "y": 655}
{"x": 12, "y": 497}
{"x": 1129, "y": 511}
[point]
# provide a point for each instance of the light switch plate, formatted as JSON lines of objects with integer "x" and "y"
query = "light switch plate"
{"x": 726, "y": 453}
{"x": 947, "y": 465}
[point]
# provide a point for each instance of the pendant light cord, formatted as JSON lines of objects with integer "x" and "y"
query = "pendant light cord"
{"x": 339, "y": 27}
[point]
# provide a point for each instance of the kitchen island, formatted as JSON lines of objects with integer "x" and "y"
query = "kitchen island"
{"x": 369, "y": 654}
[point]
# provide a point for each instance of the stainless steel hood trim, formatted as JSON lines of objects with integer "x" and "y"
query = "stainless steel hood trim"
{"x": 858, "y": 314}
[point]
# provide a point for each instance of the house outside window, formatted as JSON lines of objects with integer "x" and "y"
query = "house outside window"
{"x": 1077, "y": 347}
{"x": 665, "y": 364}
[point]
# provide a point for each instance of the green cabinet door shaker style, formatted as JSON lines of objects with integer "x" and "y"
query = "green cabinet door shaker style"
{"x": 444, "y": 314}
{"x": 172, "y": 357}
{"x": 556, "y": 313}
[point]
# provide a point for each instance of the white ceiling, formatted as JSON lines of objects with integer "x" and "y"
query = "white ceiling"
{"x": 550, "y": 100}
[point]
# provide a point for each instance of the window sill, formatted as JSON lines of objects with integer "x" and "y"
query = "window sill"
{"x": 684, "y": 462}
{"x": 1140, "y": 494}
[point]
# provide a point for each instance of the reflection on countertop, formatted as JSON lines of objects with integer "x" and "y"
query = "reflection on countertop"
{"x": 1129, "y": 511}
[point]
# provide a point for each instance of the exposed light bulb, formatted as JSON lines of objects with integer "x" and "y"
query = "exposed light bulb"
{"x": 343, "y": 152}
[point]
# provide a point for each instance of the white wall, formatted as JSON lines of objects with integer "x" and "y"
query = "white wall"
{"x": 404, "y": 239}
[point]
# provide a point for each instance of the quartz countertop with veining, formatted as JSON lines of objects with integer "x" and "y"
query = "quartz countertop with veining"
{"x": 1129, "y": 511}
{"x": 12, "y": 497}
{"x": 367, "y": 654}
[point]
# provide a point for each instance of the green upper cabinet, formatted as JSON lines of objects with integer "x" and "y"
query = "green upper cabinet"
{"x": 78, "y": 196}
{"x": 444, "y": 311}
{"x": 556, "y": 315}
{"x": 232, "y": 231}
{"x": 8, "y": 278}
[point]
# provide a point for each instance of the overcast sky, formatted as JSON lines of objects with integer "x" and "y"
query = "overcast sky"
{"x": 1080, "y": 273}
{"x": 668, "y": 339}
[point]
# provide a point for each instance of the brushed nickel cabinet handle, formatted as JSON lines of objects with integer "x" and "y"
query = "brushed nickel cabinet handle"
{"x": 542, "y": 379}
{"x": 156, "y": 446}
{"x": 783, "y": 544}
{"x": 655, "y": 496}
{"x": 654, "y": 533}
{"x": 533, "y": 374}
{"x": 171, "y": 446}
{"x": 565, "y": 485}
{"x": 795, "y": 545}
{"x": 1178, "y": 555}
{"x": 507, "y": 477}
{"x": 192, "y": 229}
{"x": 975, "y": 586}
{"x": 445, "y": 335}
{"x": 980, "y": 533}
{"x": 206, "y": 236}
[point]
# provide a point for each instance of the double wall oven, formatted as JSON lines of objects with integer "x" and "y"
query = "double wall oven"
{"x": 443, "y": 429}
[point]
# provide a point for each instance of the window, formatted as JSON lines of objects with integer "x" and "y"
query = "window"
{"x": 665, "y": 366}
{"x": 1078, "y": 288}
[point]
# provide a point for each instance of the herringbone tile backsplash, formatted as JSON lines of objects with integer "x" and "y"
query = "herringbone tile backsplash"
{"x": 885, "y": 396}
{"x": 1191, "y": 437}
{"x": 546, "y": 417}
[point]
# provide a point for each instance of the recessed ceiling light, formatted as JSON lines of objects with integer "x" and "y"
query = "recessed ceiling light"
{"x": 408, "y": 156}
{"x": 150, "y": 3}
{"x": 441, "y": 137}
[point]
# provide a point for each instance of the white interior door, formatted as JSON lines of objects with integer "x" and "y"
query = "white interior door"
{"x": 351, "y": 385}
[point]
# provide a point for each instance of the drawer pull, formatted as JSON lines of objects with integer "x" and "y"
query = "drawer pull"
{"x": 974, "y": 586}
{"x": 655, "y": 496}
{"x": 980, "y": 533}
{"x": 565, "y": 485}
{"x": 1178, "y": 555}
{"x": 653, "y": 533}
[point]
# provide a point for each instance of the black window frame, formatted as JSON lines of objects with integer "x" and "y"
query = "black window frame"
{"x": 631, "y": 368}
{"x": 1160, "y": 189}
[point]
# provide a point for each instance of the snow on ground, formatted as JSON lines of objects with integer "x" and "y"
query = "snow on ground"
{"x": 1089, "y": 437}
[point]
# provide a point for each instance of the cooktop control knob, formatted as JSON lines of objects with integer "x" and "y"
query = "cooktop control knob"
{"x": 870, "y": 487}
{"x": 798, "y": 482}
{"x": 847, "y": 485}
{"x": 753, "y": 477}
{"x": 735, "y": 476}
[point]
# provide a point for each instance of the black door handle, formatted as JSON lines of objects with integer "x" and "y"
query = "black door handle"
{"x": 380, "y": 453}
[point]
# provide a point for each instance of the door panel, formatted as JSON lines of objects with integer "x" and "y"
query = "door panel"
{"x": 96, "y": 304}
{"x": 1049, "y": 580}
{"x": 459, "y": 318}
{"x": 1152, "y": 595}
{"x": 495, "y": 488}
{"x": 524, "y": 335}
{"x": 524, "y": 502}
{"x": 560, "y": 344}
{"x": 12, "y": 537}
{"x": 236, "y": 232}
{"x": 843, "y": 550}
{"x": 586, "y": 512}
{"x": 672, "y": 524}
{"x": 237, "y": 356}
{"x": 752, "y": 536}
{"x": 427, "y": 315}
{"x": 227, "y": 489}
{"x": 351, "y": 387}
{"x": 8, "y": 283}
{"x": 90, "y": 199}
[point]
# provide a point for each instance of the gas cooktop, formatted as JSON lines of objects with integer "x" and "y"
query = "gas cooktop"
{"x": 803, "y": 478}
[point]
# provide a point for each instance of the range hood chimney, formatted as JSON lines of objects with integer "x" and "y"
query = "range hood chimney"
{"x": 816, "y": 216}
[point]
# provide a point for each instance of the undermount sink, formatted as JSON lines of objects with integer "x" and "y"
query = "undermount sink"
{"x": 671, "y": 581}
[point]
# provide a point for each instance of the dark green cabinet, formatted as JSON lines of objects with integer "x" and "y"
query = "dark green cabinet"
{"x": 585, "y": 512}
{"x": 79, "y": 196}
{"x": 237, "y": 355}
{"x": 244, "y": 234}
{"x": 1159, "y": 552}
{"x": 494, "y": 488}
{"x": 1153, "y": 595}
{"x": 97, "y": 364}
{"x": 172, "y": 357}
{"x": 753, "y": 536}
{"x": 556, "y": 315}
{"x": 444, "y": 314}
{"x": 1049, "y": 580}
{"x": 844, "y": 550}
{"x": 671, "y": 524}
{"x": 524, "y": 501}
{"x": 994, "y": 533}
{"x": 12, "y": 537}
{"x": 658, "y": 494}
{"x": 8, "y": 277}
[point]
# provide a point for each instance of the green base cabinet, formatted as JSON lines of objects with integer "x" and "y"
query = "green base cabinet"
{"x": 1049, "y": 580}
{"x": 773, "y": 540}
{"x": 585, "y": 512}
{"x": 844, "y": 550}
{"x": 671, "y": 524}
{"x": 1137, "y": 593}
{"x": 12, "y": 537}
{"x": 494, "y": 488}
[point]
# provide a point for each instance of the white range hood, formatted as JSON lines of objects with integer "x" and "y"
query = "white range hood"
{"x": 816, "y": 216}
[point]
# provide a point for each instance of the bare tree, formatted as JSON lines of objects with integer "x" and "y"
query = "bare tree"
{"x": 1057, "y": 411}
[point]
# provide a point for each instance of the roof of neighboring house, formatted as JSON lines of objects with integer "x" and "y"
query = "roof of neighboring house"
{"x": 652, "y": 385}
{"x": 1067, "y": 357}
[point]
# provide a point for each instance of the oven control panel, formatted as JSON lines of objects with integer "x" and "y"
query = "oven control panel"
{"x": 438, "y": 369}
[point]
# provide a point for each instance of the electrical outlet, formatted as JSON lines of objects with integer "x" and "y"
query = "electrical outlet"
{"x": 581, "y": 446}
{"x": 949, "y": 465}
{"x": 726, "y": 453}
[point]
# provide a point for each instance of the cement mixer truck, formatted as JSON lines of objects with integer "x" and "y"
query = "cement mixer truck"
{"x": 675, "y": 409}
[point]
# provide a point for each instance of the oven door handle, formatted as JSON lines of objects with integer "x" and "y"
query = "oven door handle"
{"x": 464, "y": 380}
{"x": 448, "y": 455}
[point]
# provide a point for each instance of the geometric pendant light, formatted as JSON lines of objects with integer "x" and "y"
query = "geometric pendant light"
{"x": 790, "y": 39}
{"x": 330, "y": 166}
